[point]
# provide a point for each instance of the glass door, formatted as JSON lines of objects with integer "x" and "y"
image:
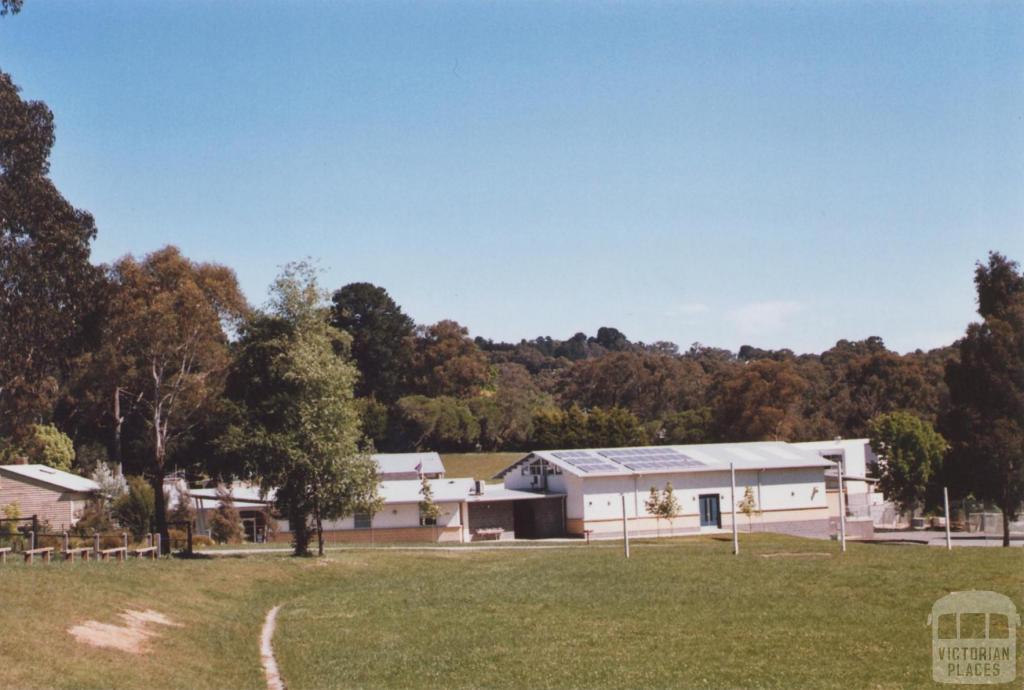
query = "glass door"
{"x": 710, "y": 515}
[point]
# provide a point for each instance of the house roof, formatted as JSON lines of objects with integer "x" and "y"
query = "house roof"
{"x": 240, "y": 491}
{"x": 647, "y": 460}
{"x": 408, "y": 490}
{"x": 406, "y": 463}
{"x": 391, "y": 490}
{"x": 53, "y": 477}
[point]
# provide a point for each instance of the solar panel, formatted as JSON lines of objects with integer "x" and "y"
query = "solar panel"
{"x": 572, "y": 454}
{"x": 651, "y": 459}
{"x": 586, "y": 462}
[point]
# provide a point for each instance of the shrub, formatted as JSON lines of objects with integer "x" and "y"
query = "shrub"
{"x": 95, "y": 517}
{"x": 225, "y": 523}
{"x": 135, "y": 509}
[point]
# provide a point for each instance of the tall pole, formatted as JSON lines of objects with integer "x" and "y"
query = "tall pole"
{"x": 842, "y": 510}
{"x": 732, "y": 509}
{"x": 945, "y": 499}
{"x": 625, "y": 529}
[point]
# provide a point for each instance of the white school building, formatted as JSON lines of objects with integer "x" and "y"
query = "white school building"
{"x": 786, "y": 481}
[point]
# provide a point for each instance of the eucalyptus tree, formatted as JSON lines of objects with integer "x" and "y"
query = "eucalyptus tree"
{"x": 296, "y": 426}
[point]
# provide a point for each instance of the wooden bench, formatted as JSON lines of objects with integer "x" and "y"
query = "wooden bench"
{"x": 118, "y": 552}
{"x": 3, "y": 554}
{"x": 44, "y": 551}
{"x": 149, "y": 551}
{"x": 490, "y": 532}
{"x": 80, "y": 551}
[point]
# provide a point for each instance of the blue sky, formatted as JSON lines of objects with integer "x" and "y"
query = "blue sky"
{"x": 780, "y": 174}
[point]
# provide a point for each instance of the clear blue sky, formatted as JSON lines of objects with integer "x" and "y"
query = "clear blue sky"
{"x": 767, "y": 173}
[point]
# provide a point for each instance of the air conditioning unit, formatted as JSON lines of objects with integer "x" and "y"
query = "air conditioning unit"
{"x": 478, "y": 486}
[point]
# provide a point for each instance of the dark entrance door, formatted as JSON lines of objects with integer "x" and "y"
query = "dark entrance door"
{"x": 710, "y": 515}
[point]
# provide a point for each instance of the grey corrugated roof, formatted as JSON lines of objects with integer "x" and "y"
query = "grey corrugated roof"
{"x": 405, "y": 463}
{"x": 49, "y": 475}
{"x": 705, "y": 457}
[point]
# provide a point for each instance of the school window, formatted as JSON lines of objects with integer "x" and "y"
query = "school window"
{"x": 427, "y": 521}
{"x": 362, "y": 520}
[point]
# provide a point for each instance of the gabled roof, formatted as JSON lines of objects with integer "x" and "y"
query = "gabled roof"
{"x": 240, "y": 491}
{"x": 647, "y": 460}
{"x": 406, "y": 463}
{"x": 48, "y": 475}
{"x": 395, "y": 491}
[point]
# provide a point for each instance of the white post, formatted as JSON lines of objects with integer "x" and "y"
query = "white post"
{"x": 945, "y": 499}
{"x": 625, "y": 529}
{"x": 732, "y": 502}
{"x": 842, "y": 509}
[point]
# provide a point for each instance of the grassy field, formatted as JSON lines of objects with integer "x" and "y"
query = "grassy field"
{"x": 477, "y": 465}
{"x": 680, "y": 613}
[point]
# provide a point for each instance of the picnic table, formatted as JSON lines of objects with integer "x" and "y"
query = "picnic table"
{"x": 149, "y": 551}
{"x": 3, "y": 554}
{"x": 44, "y": 551}
{"x": 489, "y": 532}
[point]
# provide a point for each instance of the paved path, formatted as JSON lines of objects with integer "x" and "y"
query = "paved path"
{"x": 937, "y": 537}
{"x": 274, "y": 681}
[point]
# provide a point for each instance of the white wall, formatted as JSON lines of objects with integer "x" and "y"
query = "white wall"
{"x": 599, "y": 497}
{"x": 856, "y": 452}
{"x": 516, "y": 479}
{"x": 402, "y": 515}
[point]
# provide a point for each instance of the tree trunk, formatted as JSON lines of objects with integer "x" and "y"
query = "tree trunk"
{"x": 118, "y": 423}
{"x": 159, "y": 500}
{"x": 1006, "y": 527}
{"x": 300, "y": 531}
{"x": 160, "y": 509}
{"x": 319, "y": 533}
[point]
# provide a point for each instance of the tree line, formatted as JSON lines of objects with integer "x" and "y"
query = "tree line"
{"x": 158, "y": 363}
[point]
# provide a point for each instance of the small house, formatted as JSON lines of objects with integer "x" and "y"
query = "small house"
{"x": 53, "y": 496}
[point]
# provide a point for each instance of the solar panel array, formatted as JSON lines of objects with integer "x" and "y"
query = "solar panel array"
{"x": 586, "y": 462}
{"x": 651, "y": 459}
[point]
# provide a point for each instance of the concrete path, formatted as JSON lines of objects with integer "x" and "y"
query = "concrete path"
{"x": 270, "y": 670}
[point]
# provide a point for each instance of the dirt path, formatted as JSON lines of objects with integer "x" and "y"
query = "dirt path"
{"x": 274, "y": 681}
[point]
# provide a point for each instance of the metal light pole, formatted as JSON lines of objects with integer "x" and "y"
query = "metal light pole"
{"x": 945, "y": 499}
{"x": 732, "y": 500}
{"x": 842, "y": 510}
{"x": 625, "y": 529}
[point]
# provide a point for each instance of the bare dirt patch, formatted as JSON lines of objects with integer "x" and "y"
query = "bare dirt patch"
{"x": 130, "y": 637}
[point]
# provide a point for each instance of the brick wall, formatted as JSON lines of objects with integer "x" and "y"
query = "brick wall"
{"x": 496, "y": 514}
{"x": 382, "y": 535}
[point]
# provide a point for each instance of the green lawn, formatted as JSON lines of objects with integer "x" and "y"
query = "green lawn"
{"x": 477, "y": 465}
{"x": 680, "y": 613}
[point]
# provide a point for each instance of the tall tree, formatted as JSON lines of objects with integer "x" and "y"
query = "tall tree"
{"x": 762, "y": 401}
{"x": 297, "y": 426}
{"x": 448, "y": 362}
{"x": 910, "y": 454}
{"x": 646, "y": 384}
{"x": 985, "y": 423}
{"x": 381, "y": 338}
{"x": 168, "y": 319}
{"x": 46, "y": 280}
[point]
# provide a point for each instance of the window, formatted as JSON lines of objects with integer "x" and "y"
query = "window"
{"x": 362, "y": 520}
{"x": 427, "y": 521}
